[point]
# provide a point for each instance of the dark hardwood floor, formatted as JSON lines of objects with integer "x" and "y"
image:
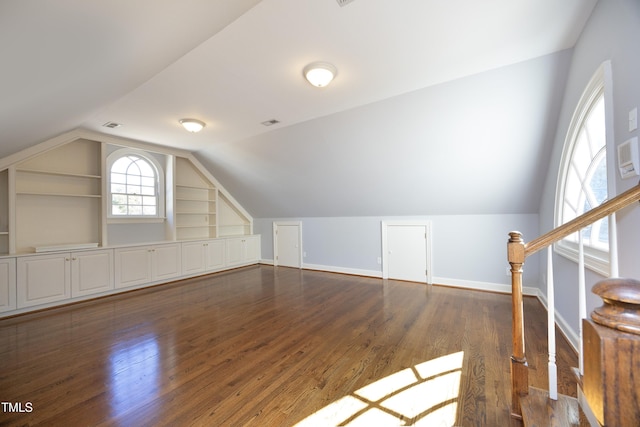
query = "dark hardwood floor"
{"x": 269, "y": 346}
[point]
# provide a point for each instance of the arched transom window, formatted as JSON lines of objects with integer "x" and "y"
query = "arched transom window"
{"x": 582, "y": 181}
{"x": 135, "y": 188}
{"x": 586, "y": 176}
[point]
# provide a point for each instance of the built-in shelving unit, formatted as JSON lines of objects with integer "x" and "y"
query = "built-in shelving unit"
{"x": 58, "y": 246}
{"x": 54, "y": 195}
{"x": 196, "y": 203}
{"x": 59, "y": 197}
{"x": 232, "y": 222}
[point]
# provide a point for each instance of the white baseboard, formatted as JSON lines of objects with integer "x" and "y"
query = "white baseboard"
{"x": 458, "y": 283}
{"x": 333, "y": 269}
{"x": 483, "y": 286}
{"x": 572, "y": 336}
{"x": 343, "y": 270}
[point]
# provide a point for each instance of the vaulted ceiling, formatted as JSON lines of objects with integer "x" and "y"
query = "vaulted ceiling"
{"x": 438, "y": 107}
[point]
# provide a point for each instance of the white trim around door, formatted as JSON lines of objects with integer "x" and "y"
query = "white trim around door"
{"x": 428, "y": 242}
{"x": 294, "y": 252}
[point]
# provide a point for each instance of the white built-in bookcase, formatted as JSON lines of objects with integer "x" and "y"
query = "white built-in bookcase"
{"x": 54, "y": 196}
{"x": 58, "y": 197}
{"x": 196, "y": 201}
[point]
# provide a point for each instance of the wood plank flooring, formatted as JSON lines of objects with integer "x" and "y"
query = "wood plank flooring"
{"x": 269, "y": 346}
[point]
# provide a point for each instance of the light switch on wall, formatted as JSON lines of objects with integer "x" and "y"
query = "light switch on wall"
{"x": 633, "y": 119}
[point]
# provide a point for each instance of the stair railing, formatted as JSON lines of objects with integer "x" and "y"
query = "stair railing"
{"x": 517, "y": 252}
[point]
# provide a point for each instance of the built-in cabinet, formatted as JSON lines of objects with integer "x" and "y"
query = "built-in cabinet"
{"x": 57, "y": 243}
{"x": 55, "y": 277}
{"x": 200, "y": 256}
{"x": 7, "y": 284}
{"x": 147, "y": 264}
{"x": 38, "y": 281}
{"x": 4, "y": 211}
{"x": 91, "y": 272}
{"x": 242, "y": 250}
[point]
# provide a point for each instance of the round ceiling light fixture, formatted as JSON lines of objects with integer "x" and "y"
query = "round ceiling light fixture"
{"x": 192, "y": 125}
{"x": 320, "y": 74}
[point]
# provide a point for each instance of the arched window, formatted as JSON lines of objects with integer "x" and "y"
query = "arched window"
{"x": 135, "y": 185}
{"x": 582, "y": 181}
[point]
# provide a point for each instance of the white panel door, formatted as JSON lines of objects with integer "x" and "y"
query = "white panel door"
{"x": 287, "y": 238}
{"x": 234, "y": 252}
{"x": 91, "y": 272}
{"x": 167, "y": 261}
{"x": 133, "y": 266}
{"x": 215, "y": 254}
{"x": 43, "y": 279}
{"x": 7, "y": 284}
{"x": 193, "y": 257}
{"x": 407, "y": 252}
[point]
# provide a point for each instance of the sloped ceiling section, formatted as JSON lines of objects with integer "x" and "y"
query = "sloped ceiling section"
{"x": 63, "y": 61}
{"x": 438, "y": 106}
{"x": 477, "y": 145}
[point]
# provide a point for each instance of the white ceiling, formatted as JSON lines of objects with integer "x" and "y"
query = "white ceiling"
{"x": 237, "y": 63}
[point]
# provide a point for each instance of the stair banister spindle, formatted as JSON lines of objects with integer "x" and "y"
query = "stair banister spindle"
{"x": 613, "y": 247}
{"x": 551, "y": 327}
{"x": 582, "y": 298}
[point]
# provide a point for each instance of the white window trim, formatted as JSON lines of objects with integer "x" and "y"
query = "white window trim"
{"x": 128, "y": 219}
{"x": 595, "y": 259}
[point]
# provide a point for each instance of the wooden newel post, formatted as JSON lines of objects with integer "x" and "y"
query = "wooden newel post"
{"x": 519, "y": 368}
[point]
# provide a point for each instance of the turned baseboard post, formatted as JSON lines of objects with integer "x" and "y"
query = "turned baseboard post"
{"x": 519, "y": 368}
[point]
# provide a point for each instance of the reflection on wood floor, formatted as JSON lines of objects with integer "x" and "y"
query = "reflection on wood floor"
{"x": 271, "y": 346}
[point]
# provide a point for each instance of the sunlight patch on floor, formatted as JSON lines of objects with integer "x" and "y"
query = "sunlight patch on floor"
{"x": 425, "y": 394}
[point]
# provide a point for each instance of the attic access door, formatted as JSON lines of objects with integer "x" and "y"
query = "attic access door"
{"x": 406, "y": 251}
{"x": 287, "y": 244}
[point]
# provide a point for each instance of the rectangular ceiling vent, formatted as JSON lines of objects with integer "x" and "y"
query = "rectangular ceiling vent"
{"x": 343, "y": 3}
{"x": 271, "y": 122}
{"x": 112, "y": 125}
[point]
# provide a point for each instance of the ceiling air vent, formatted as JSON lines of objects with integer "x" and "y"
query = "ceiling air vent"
{"x": 343, "y": 3}
{"x": 270, "y": 122}
{"x": 112, "y": 125}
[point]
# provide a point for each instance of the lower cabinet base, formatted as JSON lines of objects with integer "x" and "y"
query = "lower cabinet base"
{"x": 113, "y": 292}
{"x": 35, "y": 282}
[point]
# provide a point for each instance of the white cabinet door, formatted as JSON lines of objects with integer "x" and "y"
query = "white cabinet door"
{"x": 252, "y": 249}
{"x": 133, "y": 266}
{"x": 243, "y": 250}
{"x": 203, "y": 256}
{"x": 234, "y": 252}
{"x": 7, "y": 284}
{"x": 193, "y": 257}
{"x": 43, "y": 279}
{"x": 167, "y": 261}
{"x": 215, "y": 254}
{"x": 91, "y": 272}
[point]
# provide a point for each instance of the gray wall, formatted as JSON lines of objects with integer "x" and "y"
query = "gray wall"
{"x": 612, "y": 33}
{"x": 476, "y": 145}
{"x": 465, "y": 247}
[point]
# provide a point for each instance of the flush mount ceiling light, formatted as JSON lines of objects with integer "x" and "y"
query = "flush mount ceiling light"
{"x": 319, "y": 74}
{"x": 192, "y": 125}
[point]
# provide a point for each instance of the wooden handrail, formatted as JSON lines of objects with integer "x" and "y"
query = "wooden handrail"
{"x": 607, "y": 208}
{"x": 517, "y": 252}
